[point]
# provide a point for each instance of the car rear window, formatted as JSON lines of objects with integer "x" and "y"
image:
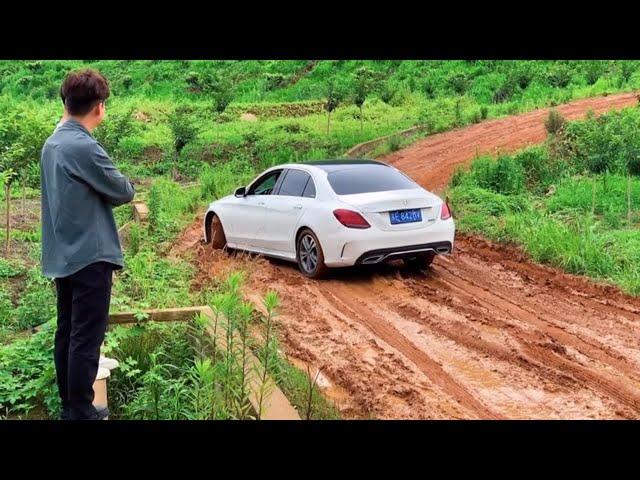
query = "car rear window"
{"x": 368, "y": 178}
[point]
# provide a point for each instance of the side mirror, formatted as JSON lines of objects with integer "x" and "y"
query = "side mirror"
{"x": 241, "y": 192}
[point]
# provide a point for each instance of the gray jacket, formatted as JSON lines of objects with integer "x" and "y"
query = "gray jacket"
{"x": 80, "y": 187}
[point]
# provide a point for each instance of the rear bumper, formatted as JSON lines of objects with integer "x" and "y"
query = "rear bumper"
{"x": 349, "y": 246}
{"x": 376, "y": 256}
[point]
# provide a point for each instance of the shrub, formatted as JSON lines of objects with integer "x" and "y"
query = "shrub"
{"x": 127, "y": 81}
{"x": 504, "y": 175}
{"x": 504, "y": 92}
{"x": 182, "y": 128}
{"x": 27, "y": 374}
{"x": 540, "y": 169}
{"x": 393, "y": 143}
{"x": 387, "y": 93}
{"x": 634, "y": 164}
{"x": 559, "y": 76}
{"x": 593, "y": 71}
{"x": 522, "y": 77}
{"x": 275, "y": 80}
{"x": 626, "y": 71}
{"x": 117, "y": 125}
{"x": 458, "y": 82}
{"x": 554, "y": 122}
{"x": 429, "y": 89}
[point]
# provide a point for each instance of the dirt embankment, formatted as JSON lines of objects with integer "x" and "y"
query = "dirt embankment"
{"x": 483, "y": 334}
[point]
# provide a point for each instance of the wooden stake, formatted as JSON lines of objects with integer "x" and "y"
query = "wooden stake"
{"x": 7, "y": 190}
{"x": 629, "y": 198}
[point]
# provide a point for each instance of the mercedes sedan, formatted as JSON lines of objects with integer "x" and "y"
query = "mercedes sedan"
{"x": 333, "y": 213}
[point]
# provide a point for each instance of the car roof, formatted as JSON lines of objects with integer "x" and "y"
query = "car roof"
{"x": 333, "y": 165}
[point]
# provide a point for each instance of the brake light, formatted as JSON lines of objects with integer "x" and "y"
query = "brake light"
{"x": 445, "y": 214}
{"x": 350, "y": 219}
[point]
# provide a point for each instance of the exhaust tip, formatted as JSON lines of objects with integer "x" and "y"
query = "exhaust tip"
{"x": 442, "y": 249}
{"x": 373, "y": 259}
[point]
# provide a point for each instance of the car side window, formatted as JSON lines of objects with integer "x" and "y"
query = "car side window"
{"x": 310, "y": 189}
{"x": 264, "y": 186}
{"x": 294, "y": 183}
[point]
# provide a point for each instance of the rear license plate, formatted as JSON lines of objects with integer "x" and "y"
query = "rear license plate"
{"x": 406, "y": 216}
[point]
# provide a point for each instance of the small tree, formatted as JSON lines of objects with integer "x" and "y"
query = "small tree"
{"x": 633, "y": 168}
{"x": 184, "y": 131}
{"x": 626, "y": 71}
{"x": 387, "y": 92}
{"x": 220, "y": 89}
{"x": 364, "y": 79}
{"x": 116, "y": 126}
{"x": 333, "y": 100}
{"x": 7, "y": 177}
{"x": 554, "y": 122}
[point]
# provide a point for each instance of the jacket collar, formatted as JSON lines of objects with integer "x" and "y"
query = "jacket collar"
{"x": 75, "y": 125}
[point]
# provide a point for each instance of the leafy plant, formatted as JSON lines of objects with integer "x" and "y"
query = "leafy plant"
{"x": 559, "y": 75}
{"x": 554, "y": 122}
{"x": 333, "y": 100}
{"x": 364, "y": 83}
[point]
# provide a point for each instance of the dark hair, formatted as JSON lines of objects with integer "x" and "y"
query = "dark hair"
{"x": 82, "y": 90}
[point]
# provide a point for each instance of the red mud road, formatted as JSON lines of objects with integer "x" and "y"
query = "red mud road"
{"x": 484, "y": 333}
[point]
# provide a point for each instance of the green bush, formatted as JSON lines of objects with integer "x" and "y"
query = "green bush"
{"x": 393, "y": 143}
{"x": 559, "y": 76}
{"x": 458, "y": 83}
{"x": 182, "y": 128}
{"x": 116, "y": 127}
{"x": 504, "y": 92}
{"x": 504, "y": 175}
{"x": 593, "y": 71}
{"x": 554, "y": 122}
{"x": 27, "y": 374}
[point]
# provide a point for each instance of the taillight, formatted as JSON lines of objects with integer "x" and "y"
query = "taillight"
{"x": 350, "y": 219}
{"x": 445, "y": 214}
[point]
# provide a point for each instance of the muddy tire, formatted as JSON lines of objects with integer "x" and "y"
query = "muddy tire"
{"x": 309, "y": 255}
{"x": 216, "y": 234}
{"x": 420, "y": 262}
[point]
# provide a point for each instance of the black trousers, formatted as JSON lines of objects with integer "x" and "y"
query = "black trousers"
{"x": 83, "y": 313}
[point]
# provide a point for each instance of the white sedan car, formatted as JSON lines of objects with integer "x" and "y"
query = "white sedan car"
{"x": 333, "y": 213}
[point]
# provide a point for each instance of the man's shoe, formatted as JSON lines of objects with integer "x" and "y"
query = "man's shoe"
{"x": 95, "y": 415}
{"x": 103, "y": 413}
{"x": 65, "y": 413}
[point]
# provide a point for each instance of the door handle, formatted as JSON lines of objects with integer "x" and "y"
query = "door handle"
{"x": 261, "y": 204}
{"x": 297, "y": 207}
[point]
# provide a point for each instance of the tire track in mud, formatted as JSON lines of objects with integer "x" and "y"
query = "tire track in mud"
{"x": 554, "y": 350}
{"x": 484, "y": 333}
{"x": 384, "y": 330}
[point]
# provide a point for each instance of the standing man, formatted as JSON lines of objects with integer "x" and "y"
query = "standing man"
{"x": 80, "y": 244}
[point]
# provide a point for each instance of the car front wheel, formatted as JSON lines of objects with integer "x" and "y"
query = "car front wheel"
{"x": 216, "y": 234}
{"x": 309, "y": 255}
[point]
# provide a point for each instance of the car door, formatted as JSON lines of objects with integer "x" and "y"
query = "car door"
{"x": 285, "y": 208}
{"x": 251, "y": 212}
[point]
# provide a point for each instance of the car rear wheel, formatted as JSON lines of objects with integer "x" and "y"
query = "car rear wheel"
{"x": 421, "y": 261}
{"x": 309, "y": 255}
{"x": 216, "y": 233}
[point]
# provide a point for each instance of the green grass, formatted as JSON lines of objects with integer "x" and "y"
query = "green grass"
{"x": 136, "y": 132}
